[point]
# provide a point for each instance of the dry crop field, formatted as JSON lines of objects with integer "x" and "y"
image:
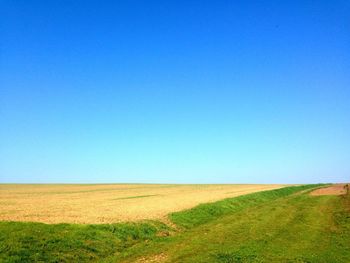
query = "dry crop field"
{"x": 109, "y": 203}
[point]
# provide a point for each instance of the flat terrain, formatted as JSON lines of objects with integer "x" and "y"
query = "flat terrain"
{"x": 96, "y": 204}
{"x": 282, "y": 225}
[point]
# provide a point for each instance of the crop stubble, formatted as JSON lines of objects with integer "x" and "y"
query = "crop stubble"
{"x": 95, "y": 204}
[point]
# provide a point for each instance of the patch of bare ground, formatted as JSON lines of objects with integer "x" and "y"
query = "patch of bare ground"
{"x": 155, "y": 258}
{"x": 337, "y": 189}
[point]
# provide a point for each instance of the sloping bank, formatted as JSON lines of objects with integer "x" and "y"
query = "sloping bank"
{"x": 206, "y": 212}
{"x": 37, "y": 242}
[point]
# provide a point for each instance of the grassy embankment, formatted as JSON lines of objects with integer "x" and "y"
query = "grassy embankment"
{"x": 271, "y": 226}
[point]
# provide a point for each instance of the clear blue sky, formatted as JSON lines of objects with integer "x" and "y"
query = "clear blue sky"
{"x": 175, "y": 91}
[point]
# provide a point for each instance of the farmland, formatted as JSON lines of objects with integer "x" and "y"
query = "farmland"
{"x": 96, "y": 204}
{"x": 307, "y": 223}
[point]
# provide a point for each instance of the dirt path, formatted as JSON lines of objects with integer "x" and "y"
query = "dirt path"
{"x": 337, "y": 189}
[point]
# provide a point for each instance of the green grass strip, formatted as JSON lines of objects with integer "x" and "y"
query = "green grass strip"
{"x": 204, "y": 213}
{"x": 37, "y": 242}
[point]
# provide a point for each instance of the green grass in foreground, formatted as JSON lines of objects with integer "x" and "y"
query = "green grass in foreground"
{"x": 206, "y": 212}
{"x": 272, "y": 226}
{"x": 37, "y": 242}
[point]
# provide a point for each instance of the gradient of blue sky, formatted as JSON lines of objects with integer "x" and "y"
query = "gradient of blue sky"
{"x": 175, "y": 91}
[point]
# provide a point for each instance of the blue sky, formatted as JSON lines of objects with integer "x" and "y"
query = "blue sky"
{"x": 174, "y": 91}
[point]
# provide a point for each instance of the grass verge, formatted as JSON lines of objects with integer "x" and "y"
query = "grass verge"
{"x": 206, "y": 212}
{"x": 38, "y": 242}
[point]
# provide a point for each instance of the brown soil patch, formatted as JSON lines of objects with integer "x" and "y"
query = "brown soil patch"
{"x": 337, "y": 189}
{"x": 110, "y": 203}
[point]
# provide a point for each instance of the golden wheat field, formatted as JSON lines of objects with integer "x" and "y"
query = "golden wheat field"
{"x": 108, "y": 203}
